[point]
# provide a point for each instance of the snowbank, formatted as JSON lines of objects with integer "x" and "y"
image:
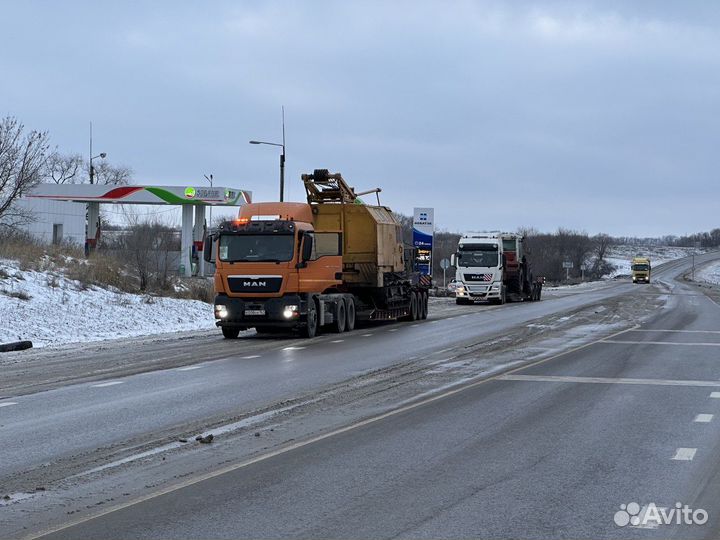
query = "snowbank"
{"x": 709, "y": 273}
{"x": 49, "y": 309}
{"x": 621, "y": 256}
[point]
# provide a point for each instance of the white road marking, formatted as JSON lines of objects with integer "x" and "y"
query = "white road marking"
{"x": 8, "y": 403}
{"x": 393, "y": 330}
{"x": 605, "y": 380}
{"x": 103, "y": 385}
{"x": 677, "y": 331}
{"x": 414, "y": 325}
{"x": 715, "y": 395}
{"x": 623, "y": 342}
{"x": 251, "y": 357}
{"x": 366, "y": 335}
{"x": 684, "y": 454}
{"x": 337, "y": 341}
{"x": 703, "y": 418}
{"x": 189, "y": 368}
{"x": 294, "y": 348}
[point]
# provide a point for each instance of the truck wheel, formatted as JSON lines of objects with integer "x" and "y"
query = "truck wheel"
{"x": 414, "y": 305}
{"x": 349, "y": 314}
{"x": 338, "y": 325}
{"x": 311, "y": 326}
{"x": 424, "y": 304}
{"x": 230, "y": 332}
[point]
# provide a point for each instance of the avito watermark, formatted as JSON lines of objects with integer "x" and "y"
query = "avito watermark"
{"x": 652, "y": 515}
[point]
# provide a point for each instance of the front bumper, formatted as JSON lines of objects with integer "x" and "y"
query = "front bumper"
{"x": 274, "y": 309}
{"x": 478, "y": 292}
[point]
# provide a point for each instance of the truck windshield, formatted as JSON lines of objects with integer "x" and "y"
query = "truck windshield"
{"x": 640, "y": 267}
{"x": 478, "y": 255}
{"x": 256, "y": 247}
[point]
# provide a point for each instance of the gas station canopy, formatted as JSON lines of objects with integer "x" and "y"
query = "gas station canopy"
{"x": 174, "y": 195}
{"x": 188, "y": 197}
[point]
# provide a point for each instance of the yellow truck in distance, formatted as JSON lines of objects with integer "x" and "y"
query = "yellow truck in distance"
{"x": 640, "y": 267}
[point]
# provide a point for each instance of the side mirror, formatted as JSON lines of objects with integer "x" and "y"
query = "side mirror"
{"x": 307, "y": 248}
{"x": 453, "y": 260}
{"x": 208, "y": 248}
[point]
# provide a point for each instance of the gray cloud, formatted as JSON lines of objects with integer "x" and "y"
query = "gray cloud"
{"x": 592, "y": 115}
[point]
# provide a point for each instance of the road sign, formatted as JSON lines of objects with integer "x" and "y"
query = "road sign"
{"x": 423, "y": 231}
{"x": 567, "y": 264}
{"x": 583, "y": 267}
{"x": 445, "y": 264}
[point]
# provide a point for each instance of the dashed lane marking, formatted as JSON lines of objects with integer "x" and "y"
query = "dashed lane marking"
{"x": 704, "y": 418}
{"x": 103, "y": 385}
{"x": 684, "y": 454}
{"x": 393, "y": 330}
{"x": 715, "y": 395}
{"x": 8, "y": 403}
{"x": 414, "y": 325}
{"x": 294, "y": 348}
{"x": 605, "y": 380}
{"x": 189, "y": 368}
{"x": 337, "y": 341}
{"x": 366, "y": 335}
{"x": 250, "y": 357}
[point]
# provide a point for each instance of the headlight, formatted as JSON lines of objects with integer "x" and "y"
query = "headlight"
{"x": 221, "y": 311}
{"x": 495, "y": 288}
{"x": 460, "y": 288}
{"x": 290, "y": 311}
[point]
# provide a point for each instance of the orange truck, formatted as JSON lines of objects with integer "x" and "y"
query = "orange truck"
{"x": 307, "y": 267}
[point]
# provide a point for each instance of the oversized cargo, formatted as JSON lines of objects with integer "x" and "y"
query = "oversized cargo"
{"x": 493, "y": 266}
{"x": 301, "y": 266}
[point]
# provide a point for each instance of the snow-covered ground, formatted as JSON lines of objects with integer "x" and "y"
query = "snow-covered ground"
{"x": 621, "y": 256}
{"x": 709, "y": 273}
{"x": 58, "y": 310}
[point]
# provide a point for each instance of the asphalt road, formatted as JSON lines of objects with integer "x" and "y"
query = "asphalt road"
{"x": 77, "y": 418}
{"x": 551, "y": 450}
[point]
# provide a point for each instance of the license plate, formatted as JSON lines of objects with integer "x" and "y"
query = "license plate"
{"x": 254, "y": 312}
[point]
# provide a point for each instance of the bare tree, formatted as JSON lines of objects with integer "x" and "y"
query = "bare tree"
{"x": 22, "y": 159}
{"x": 63, "y": 169}
{"x": 107, "y": 174}
{"x": 148, "y": 246}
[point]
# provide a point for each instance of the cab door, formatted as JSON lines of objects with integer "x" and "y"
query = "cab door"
{"x": 323, "y": 269}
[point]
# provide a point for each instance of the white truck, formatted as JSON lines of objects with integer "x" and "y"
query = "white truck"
{"x": 493, "y": 266}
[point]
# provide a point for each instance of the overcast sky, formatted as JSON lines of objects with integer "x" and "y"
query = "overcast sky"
{"x": 600, "y": 116}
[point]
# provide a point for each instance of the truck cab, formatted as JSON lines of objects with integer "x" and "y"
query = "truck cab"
{"x": 268, "y": 261}
{"x": 640, "y": 268}
{"x": 479, "y": 268}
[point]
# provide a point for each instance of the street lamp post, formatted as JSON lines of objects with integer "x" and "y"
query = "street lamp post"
{"x": 282, "y": 156}
{"x": 101, "y": 155}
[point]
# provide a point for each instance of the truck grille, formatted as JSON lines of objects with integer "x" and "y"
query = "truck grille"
{"x": 478, "y": 277}
{"x": 258, "y": 284}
